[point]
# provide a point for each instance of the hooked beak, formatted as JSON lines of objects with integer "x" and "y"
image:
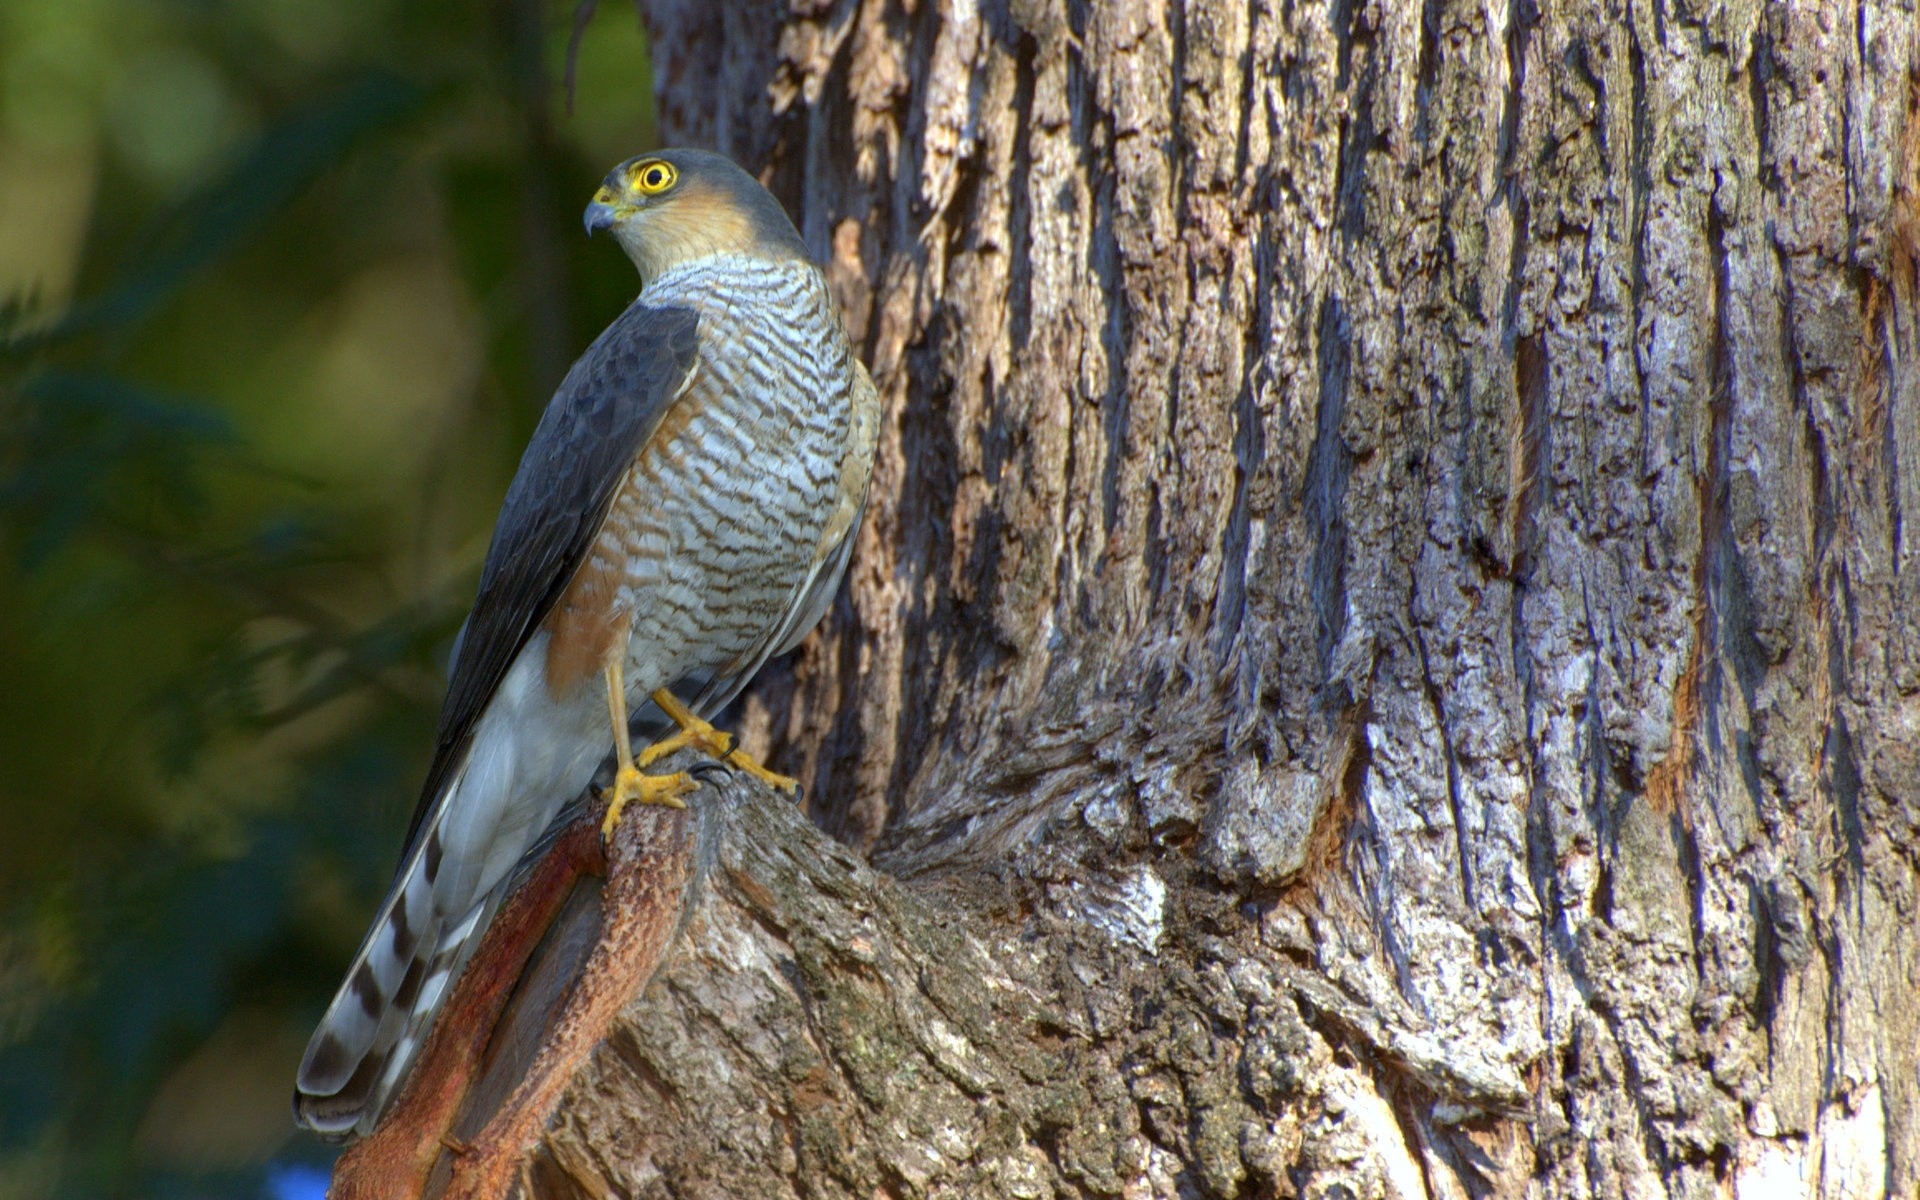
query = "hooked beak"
{"x": 600, "y": 215}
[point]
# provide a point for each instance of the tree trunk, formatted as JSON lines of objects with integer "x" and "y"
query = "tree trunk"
{"x": 1384, "y": 651}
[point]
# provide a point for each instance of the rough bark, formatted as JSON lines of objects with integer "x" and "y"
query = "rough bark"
{"x": 1385, "y": 652}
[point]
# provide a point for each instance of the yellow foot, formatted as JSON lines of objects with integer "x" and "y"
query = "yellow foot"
{"x": 773, "y": 779}
{"x": 632, "y": 786}
{"x": 697, "y": 734}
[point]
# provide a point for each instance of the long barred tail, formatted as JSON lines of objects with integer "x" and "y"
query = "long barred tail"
{"x": 493, "y": 821}
{"x": 380, "y": 1016}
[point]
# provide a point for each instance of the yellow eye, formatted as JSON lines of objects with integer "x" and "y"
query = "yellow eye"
{"x": 653, "y": 177}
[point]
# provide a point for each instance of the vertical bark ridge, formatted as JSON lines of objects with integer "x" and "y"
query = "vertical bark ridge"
{"x": 1422, "y": 488}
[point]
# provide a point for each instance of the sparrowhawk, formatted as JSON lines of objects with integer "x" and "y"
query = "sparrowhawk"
{"x": 683, "y": 513}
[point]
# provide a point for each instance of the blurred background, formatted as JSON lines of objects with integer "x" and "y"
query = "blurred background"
{"x": 283, "y": 288}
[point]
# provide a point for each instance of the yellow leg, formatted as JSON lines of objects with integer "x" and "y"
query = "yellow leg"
{"x": 630, "y": 784}
{"x": 703, "y": 737}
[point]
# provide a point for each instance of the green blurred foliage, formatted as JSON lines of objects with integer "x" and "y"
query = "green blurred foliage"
{"x": 283, "y": 287}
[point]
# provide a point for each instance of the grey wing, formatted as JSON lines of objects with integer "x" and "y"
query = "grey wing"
{"x": 605, "y": 410}
{"x": 609, "y": 406}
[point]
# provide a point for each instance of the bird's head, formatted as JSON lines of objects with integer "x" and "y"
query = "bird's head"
{"x": 673, "y": 207}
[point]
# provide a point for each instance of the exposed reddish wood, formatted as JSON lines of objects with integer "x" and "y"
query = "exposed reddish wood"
{"x": 651, "y": 868}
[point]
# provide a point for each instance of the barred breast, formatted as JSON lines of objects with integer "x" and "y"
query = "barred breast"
{"x": 716, "y": 533}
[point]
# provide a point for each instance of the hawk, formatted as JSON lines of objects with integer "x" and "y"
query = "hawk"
{"x": 683, "y": 513}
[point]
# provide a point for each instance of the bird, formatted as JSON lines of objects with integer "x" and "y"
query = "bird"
{"x": 683, "y": 513}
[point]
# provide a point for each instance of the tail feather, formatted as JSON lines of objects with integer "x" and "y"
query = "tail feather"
{"x": 431, "y": 923}
{"x": 363, "y": 1005}
{"x": 497, "y": 809}
{"x": 333, "y": 1103}
{"x": 350, "y": 1046}
{"x": 421, "y": 1002}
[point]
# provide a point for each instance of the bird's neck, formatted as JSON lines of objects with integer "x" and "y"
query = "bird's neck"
{"x": 720, "y": 277}
{"x": 669, "y": 245}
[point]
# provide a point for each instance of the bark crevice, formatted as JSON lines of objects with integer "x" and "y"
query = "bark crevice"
{"x": 1381, "y": 656}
